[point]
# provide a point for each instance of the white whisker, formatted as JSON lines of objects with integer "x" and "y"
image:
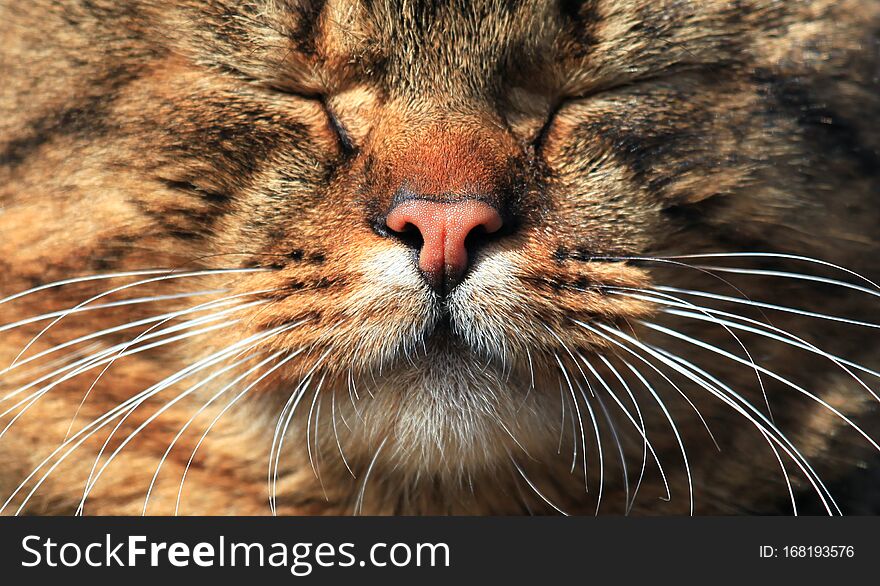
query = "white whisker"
{"x": 768, "y": 372}
{"x": 281, "y": 429}
{"x": 122, "y": 303}
{"x": 92, "y": 336}
{"x": 359, "y": 503}
{"x": 789, "y": 275}
{"x": 336, "y": 433}
{"x": 639, "y": 426}
{"x": 747, "y": 410}
{"x": 626, "y": 292}
{"x": 776, "y": 255}
{"x": 675, "y": 432}
{"x": 791, "y": 340}
{"x": 142, "y": 273}
{"x": 207, "y": 319}
{"x": 166, "y": 277}
{"x": 313, "y": 458}
{"x": 189, "y": 422}
{"x": 82, "y": 435}
{"x": 598, "y": 436}
{"x": 580, "y": 423}
{"x": 226, "y": 408}
{"x": 34, "y": 397}
{"x": 535, "y": 488}
{"x": 772, "y": 306}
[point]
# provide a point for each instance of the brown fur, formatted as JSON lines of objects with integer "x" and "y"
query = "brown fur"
{"x": 187, "y": 135}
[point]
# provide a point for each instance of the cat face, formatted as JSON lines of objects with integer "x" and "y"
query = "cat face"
{"x": 444, "y": 207}
{"x": 389, "y": 130}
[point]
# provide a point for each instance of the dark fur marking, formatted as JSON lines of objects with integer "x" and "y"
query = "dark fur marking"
{"x": 827, "y": 128}
{"x": 305, "y": 34}
{"x": 584, "y": 19}
{"x": 641, "y": 144}
{"x": 579, "y": 285}
{"x": 182, "y": 223}
{"x": 562, "y": 254}
{"x": 297, "y": 285}
{"x": 88, "y": 117}
{"x": 210, "y": 196}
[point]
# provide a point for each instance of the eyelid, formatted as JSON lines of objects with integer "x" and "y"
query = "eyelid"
{"x": 342, "y": 134}
{"x": 345, "y": 140}
{"x": 541, "y": 136}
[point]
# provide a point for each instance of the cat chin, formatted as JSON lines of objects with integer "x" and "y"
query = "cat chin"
{"x": 446, "y": 418}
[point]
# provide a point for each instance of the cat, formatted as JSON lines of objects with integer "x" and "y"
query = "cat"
{"x": 306, "y": 257}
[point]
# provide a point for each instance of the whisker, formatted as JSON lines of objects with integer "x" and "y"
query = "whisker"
{"x": 92, "y": 336}
{"x": 579, "y": 421}
{"x": 778, "y": 255}
{"x": 86, "y": 363}
{"x": 226, "y": 408}
{"x": 96, "y": 473}
{"x": 84, "y": 434}
{"x": 93, "y": 478}
{"x": 122, "y": 303}
{"x": 768, "y": 438}
{"x": 675, "y": 432}
{"x": 336, "y": 433}
{"x": 670, "y": 261}
{"x": 213, "y": 317}
{"x": 210, "y": 401}
{"x": 33, "y": 398}
{"x": 359, "y": 503}
{"x": 562, "y": 400}
{"x": 201, "y": 307}
{"x": 535, "y": 488}
{"x": 598, "y": 436}
{"x": 189, "y": 422}
{"x": 80, "y": 366}
{"x": 281, "y": 430}
{"x": 614, "y": 435}
{"x": 764, "y": 305}
{"x": 662, "y": 375}
{"x": 766, "y": 330}
{"x": 274, "y": 453}
{"x": 688, "y": 370}
{"x": 768, "y": 372}
{"x": 516, "y": 441}
{"x": 141, "y": 273}
{"x": 748, "y": 354}
{"x": 795, "y": 276}
{"x": 640, "y": 426}
{"x": 166, "y": 277}
{"x": 793, "y": 341}
{"x": 313, "y": 459}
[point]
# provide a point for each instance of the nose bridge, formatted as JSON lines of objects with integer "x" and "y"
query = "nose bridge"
{"x": 452, "y": 159}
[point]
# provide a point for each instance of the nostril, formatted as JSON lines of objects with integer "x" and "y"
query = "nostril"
{"x": 478, "y": 237}
{"x": 410, "y": 235}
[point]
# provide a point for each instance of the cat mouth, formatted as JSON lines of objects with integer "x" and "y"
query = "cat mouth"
{"x": 442, "y": 335}
{"x": 442, "y": 327}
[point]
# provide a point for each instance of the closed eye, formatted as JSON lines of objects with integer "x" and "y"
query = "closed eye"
{"x": 342, "y": 135}
{"x": 345, "y": 140}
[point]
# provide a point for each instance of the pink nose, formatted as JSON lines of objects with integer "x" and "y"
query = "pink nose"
{"x": 444, "y": 228}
